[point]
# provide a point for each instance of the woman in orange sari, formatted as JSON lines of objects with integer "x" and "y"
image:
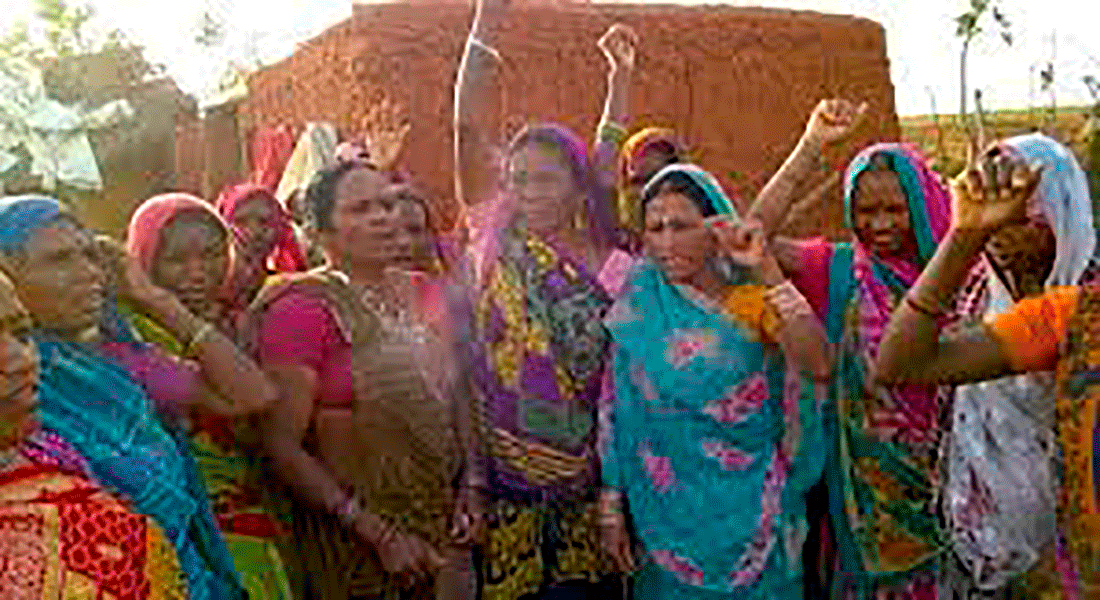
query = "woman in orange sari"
{"x": 61, "y": 534}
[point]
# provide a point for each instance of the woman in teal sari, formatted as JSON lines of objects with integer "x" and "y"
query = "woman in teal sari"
{"x": 716, "y": 422}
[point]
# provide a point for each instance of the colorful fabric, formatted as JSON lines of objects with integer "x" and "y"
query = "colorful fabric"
{"x": 1000, "y": 485}
{"x": 1033, "y": 332}
{"x": 231, "y": 474}
{"x": 271, "y": 150}
{"x": 402, "y": 455}
{"x": 714, "y": 441}
{"x": 882, "y": 480}
{"x": 650, "y": 138}
{"x": 62, "y": 536}
{"x": 143, "y": 235}
{"x": 530, "y": 547}
{"x": 315, "y": 150}
{"x": 286, "y": 255}
{"x": 1076, "y": 406}
{"x": 635, "y": 147}
{"x": 105, "y": 414}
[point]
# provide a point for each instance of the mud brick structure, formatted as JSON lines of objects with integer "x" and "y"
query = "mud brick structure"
{"x": 738, "y": 83}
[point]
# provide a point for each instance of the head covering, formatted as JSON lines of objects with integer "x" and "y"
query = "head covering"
{"x": 286, "y": 255}
{"x": 601, "y": 224}
{"x": 21, "y": 216}
{"x": 143, "y": 236}
{"x": 714, "y": 484}
{"x": 929, "y": 201}
{"x": 716, "y": 200}
{"x": 1001, "y": 429}
{"x": 271, "y": 150}
{"x": 638, "y": 144}
{"x": 315, "y": 150}
{"x": 99, "y": 409}
{"x": 1064, "y": 193}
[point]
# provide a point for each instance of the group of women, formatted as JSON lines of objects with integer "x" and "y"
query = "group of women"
{"x": 609, "y": 382}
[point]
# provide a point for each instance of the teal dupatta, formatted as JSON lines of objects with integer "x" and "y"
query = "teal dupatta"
{"x": 713, "y": 441}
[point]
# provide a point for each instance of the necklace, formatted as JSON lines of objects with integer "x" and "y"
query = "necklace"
{"x": 397, "y": 323}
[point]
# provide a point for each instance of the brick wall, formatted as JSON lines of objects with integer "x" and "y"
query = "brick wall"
{"x": 737, "y": 82}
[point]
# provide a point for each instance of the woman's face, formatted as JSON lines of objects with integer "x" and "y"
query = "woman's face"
{"x": 363, "y": 221}
{"x": 880, "y": 214}
{"x": 412, "y": 225}
{"x": 676, "y": 237}
{"x": 255, "y": 219}
{"x": 192, "y": 260}
{"x": 540, "y": 180}
{"x": 60, "y": 279}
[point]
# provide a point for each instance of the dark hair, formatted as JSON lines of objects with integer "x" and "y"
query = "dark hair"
{"x": 320, "y": 196}
{"x": 680, "y": 183}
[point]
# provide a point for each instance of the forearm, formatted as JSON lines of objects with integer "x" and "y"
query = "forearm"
{"x": 611, "y": 131}
{"x": 306, "y": 476}
{"x": 912, "y": 337}
{"x": 228, "y": 371}
{"x": 800, "y": 334}
{"x": 774, "y": 201}
{"x": 472, "y": 153}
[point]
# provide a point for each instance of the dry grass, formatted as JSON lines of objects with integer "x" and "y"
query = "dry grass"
{"x": 1068, "y": 127}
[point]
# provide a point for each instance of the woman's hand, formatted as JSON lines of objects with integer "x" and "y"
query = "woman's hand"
{"x": 468, "y": 521}
{"x": 743, "y": 244}
{"x": 384, "y": 132}
{"x": 619, "y": 46}
{"x": 136, "y": 286}
{"x": 833, "y": 120}
{"x": 993, "y": 192}
{"x": 615, "y": 539}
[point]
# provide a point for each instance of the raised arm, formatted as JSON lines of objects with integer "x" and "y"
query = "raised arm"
{"x": 831, "y": 121}
{"x": 619, "y": 47}
{"x": 799, "y": 332}
{"x": 913, "y": 350}
{"x": 476, "y": 167}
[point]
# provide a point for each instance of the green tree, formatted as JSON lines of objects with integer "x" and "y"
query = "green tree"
{"x": 968, "y": 27}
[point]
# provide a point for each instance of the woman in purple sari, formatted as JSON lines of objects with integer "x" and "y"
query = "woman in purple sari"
{"x": 541, "y": 284}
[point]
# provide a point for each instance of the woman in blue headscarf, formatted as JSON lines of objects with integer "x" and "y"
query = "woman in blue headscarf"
{"x": 103, "y": 392}
{"x": 716, "y": 422}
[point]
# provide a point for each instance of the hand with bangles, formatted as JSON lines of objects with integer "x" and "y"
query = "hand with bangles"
{"x": 742, "y": 242}
{"x": 404, "y": 556}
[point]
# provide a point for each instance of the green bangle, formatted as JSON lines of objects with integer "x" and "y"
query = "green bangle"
{"x": 614, "y": 133}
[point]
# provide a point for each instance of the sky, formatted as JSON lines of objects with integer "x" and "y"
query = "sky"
{"x": 923, "y": 52}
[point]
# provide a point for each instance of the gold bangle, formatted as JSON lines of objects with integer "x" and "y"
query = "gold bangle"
{"x": 203, "y": 332}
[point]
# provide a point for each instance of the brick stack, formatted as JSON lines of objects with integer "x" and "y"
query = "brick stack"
{"x": 738, "y": 83}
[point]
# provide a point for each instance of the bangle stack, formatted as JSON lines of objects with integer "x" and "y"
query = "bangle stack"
{"x": 930, "y": 309}
{"x": 614, "y": 133}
